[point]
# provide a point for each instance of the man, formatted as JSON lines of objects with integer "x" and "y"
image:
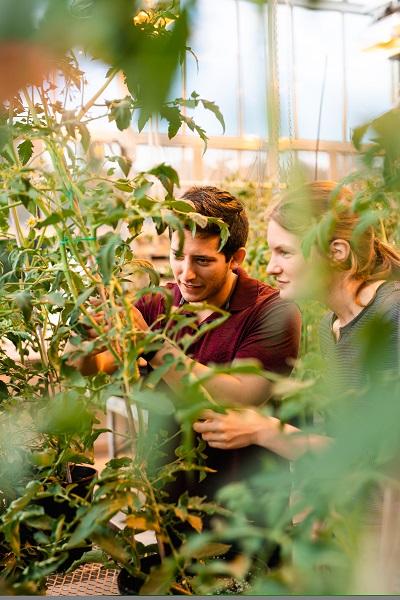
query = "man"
{"x": 261, "y": 326}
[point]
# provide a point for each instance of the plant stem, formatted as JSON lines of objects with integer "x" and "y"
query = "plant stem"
{"x": 97, "y": 95}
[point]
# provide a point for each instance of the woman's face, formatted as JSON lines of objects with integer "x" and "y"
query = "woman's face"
{"x": 287, "y": 263}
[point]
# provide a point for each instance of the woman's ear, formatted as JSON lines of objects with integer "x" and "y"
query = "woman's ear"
{"x": 339, "y": 250}
{"x": 238, "y": 258}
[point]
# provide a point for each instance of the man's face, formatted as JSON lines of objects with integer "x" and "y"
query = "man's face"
{"x": 202, "y": 273}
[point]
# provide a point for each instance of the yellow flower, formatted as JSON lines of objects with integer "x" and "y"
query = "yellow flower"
{"x": 31, "y": 222}
{"x": 141, "y": 17}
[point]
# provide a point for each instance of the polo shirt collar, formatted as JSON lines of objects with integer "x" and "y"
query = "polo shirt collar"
{"x": 245, "y": 292}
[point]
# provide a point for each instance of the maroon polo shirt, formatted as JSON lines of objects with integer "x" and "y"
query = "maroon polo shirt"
{"x": 260, "y": 326}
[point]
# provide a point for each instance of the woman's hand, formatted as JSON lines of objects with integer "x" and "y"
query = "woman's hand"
{"x": 242, "y": 427}
{"x": 235, "y": 429}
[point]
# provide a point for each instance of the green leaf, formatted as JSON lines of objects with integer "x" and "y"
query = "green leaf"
{"x": 369, "y": 218}
{"x": 120, "y": 111}
{"x": 325, "y": 230}
{"x": 111, "y": 546}
{"x": 24, "y": 302}
{"x": 123, "y": 185}
{"x": 185, "y": 206}
{"x": 83, "y": 296}
{"x": 3, "y": 391}
{"x": 125, "y": 164}
{"x": 216, "y": 110}
{"x": 167, "y": 176}
{"x": 144, "y": 116}
{"x": 159, "y": 580}
{"x": 55, "y": 299}
{"x": 210, "y": 549}
{"x": 54, "y": 218}
{"x": 106, "y": 257}
{"x": 25, "y": 151}
{"x": 200, "y": 220}
{"x": 194, "y": 127}
{"x": 5, "y": 136}
{"x": 85, "y": 136}
{"x": 154, "y": 401}
{"x": 141, "y": 193}
{"x": 93, "y": 556}
{"x": 96, "y": 515}
{"x": 358, "y": 135}
{"x": 173, "y": 115}
{"x": 149, "y": 71}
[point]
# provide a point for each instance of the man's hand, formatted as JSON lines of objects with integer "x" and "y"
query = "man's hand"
{"x": 234, "y": 429}
{"x": 103, "y": 360}
{"x": 137, "y": 319}
{"x": 99, "y": 317}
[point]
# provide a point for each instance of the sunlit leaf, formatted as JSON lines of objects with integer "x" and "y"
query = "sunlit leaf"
{"x": 25, "y": 151}
{"x": 106, "y": 257}
{"x": 120, "y": 111}
{"x": 214, "y": 109}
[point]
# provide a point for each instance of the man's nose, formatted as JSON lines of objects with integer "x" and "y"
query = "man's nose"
{"x": 188, "y": 273}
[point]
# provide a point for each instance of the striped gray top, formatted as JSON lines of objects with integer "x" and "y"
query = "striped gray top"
{"x": 367, "y": 346}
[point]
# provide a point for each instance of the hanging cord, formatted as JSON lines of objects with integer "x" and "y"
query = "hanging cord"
{"x": 290, "y": 94}
{"x": 321, "y": 103}
{"x": 273, "y": 94}
{"x": 286, "y": 166}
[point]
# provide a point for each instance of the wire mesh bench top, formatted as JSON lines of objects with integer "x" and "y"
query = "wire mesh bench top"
{"x": 88, "y": 580}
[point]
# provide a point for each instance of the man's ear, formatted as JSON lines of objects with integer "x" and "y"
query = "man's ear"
{"x": 238, "y": 258}
{"x": 339, "y": 250}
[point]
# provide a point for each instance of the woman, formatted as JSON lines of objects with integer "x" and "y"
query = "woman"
{"x": 355, "y": 274}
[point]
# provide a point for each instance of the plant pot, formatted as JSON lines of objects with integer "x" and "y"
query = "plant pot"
{"x": 83, "y": 477}
{"x": 128, "y": 585}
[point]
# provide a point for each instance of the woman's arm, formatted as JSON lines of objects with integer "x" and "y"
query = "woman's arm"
{"x": 240, "y": 428}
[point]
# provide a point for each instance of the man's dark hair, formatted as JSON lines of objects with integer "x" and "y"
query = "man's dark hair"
{"x": 213, "y": 202}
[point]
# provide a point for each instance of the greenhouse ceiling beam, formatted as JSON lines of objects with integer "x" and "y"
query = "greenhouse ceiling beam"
{"x": 230, "y": 142}
{"x": 344, "y": 7}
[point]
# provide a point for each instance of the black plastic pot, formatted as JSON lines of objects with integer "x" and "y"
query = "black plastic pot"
{"x": 82, "y": 476}
{"x": 128, "y": 585}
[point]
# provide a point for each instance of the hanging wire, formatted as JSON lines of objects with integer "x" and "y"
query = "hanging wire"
{"x": 321, "y": 103}
{"x": 292, "y": 98}
{"x": 287, "y": 165}
{"x": 273, "y": 99}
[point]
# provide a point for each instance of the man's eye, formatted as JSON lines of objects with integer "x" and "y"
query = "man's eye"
{"x": 203, "y": 261}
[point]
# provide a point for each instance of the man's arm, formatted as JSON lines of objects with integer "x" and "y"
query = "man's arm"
{"x": 103, "y": 362}
{"x": 237, "y": 389}
{"x": 272, "y": 339}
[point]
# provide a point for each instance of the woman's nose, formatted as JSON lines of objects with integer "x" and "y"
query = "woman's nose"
{"x": 273, "y": 267}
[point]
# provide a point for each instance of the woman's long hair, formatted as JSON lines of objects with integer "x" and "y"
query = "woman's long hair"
{"x": 370, "y": 259}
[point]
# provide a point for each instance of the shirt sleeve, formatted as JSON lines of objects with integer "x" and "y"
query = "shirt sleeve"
{"x": 151, "y": 306}
{"x": 273, "y": 337}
